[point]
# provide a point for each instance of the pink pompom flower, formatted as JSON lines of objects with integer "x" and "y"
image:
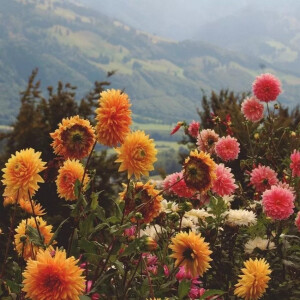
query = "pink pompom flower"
{"x": 206, "y": 140}
{"x": 252, "y": 109}
{"x": 295, "y": 163}
{"x": 297, "y": 220}
{"x": 194, "y": 129}
{"x": 227, "y": 148}
{"x": 225, "y": 183}
{"x": 175, "y": 184}
{"x": 278, "y": 202}
{"x": 266, "y": 87}
{"x": 263, "y": 178}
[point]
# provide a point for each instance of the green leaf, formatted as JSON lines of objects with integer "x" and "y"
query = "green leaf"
{"x": 94, "y": 200}
{"x": 211, "y": 293}
{"x": 183, "y": 288}
{"x": 77, "y": 188}
{"x": 86, "y": 226}
{"x": 87, "y": 246}
{"x": 57, "y": 231}
{"x": 84, "y": 297}
{"x": 34, "y": 236}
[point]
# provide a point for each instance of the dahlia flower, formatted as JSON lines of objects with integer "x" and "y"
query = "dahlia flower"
{"x": 295, "y": 163}
{"x": 194, "y": 129}
{"x": 206, "y": 140}
{"x": 260, "y": 243}
{"x": 266, "y": 87}
{"x": 113, "y": 117}
{"x": 240, "y": 217}
{"x": 224, "y": 184}
{"x": 263, "y": 178}
{"x": 227, "y": 148}
{"x": 252, "y": 109}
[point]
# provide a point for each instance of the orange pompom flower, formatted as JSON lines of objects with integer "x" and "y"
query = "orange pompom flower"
{"x": 113, "y": 117}
{"x": 54, "y": 277}
{"x": 26, "y": 248}
{"x": 26, "y": 206}
{"x": 21, "y": 174}
{"x": 254, "y": 281}
{"x": 137, "y": 154}
{"x": 192, "y": 252}
{"x": 74, "y": 138}
{"x": 66, "y": 179}
{"x": 199, "y": 171}
{"x": 145, "y": 195}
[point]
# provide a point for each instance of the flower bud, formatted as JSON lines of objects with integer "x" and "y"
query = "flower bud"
{"x": 150, "y": 244}
{"x": 256, "y": 136}
{"x": 174, "y": 216}
{"x": 293, "y": 134}
{"x": 139, "y": 216}
{"x": 185, "y": 206}
{"x": 276, "y": 106}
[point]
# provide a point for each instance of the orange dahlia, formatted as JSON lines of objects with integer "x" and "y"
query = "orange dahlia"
{"x": 26, "y": 206}
{"x": 54, "y": 277}
{"x": 66, "y": 179}
{"x": 21, "y": 174}
{"x": 137, "y": 154}
{"x": 145, "y": 196}
{"x": 199, "y": 171}
{"x": 192, "y": 252}
{"x": 254, "y": 281}
{"x": 74, "y": 138}
{"x": 24, "y": 246}
{"x": 113, "y": 117}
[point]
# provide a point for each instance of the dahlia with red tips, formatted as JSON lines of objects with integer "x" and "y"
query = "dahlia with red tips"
{"x": 175, "y": 184}
{"x": 252, "y": 109}
{"x": 206, "y": 140}
{"x": 225, "y": 183}
{"x": 263, "y": 178}
{"x": 278, "y": 203}
{"x": 227, "y": 148}
{"x": 297, "y": 221}
{"x": 295, "y": 163}
{"x": 194, "y": 129}
{"x": 266, "y": 87}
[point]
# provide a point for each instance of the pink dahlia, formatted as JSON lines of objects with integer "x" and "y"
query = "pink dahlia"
{"x": 224, "y": 184}
{"x": 206, "y": 140}
{"x": 266, "y": 87}
{"x": 263, "y": 178}
{"x": 227, "y": 148}
{"x": 295, "y": 164}
{"x": 278, "y": 203}
{"x": 252, "y": 109}
{"x": 297, "y": 221}
{"x": 175, "y": 184}
{"x": 194, "y": 129}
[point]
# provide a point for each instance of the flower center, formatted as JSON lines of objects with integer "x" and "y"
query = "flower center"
{"x": 52, "y": 281}
{"x": 188, "y": 254}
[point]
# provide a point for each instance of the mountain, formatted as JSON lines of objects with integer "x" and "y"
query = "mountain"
{"x": 165, "y": 79}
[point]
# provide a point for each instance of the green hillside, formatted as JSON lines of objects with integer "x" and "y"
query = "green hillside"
{"x": 164, "y": 79}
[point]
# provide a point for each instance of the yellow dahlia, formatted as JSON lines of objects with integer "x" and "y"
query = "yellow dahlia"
{"x": 113, "y": 117}
{"x": 23, "y": 245}
{"x": 137, "y": 154}
{"x": 74, "y": 138}
{"x": 21, "y": 174}
{"x": 192, "y": 252}
{"x": 54, "y": 277}
{"x": 254, "y": 281}
{"x": 66, "y": 179}
{"x": 199, "y": 171}
{"x": 26, "y": 206}
{"x": 146, "y": 196}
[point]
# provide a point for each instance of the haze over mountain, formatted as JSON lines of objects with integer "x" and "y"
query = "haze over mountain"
{"x": 164, "y": 78}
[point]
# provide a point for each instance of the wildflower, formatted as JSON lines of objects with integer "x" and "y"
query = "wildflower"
{"x": 152, "y": 231}
{"x": 199, "y": 171}
{"x": 254, "y": 281}
{"x": 252, "y": 109}
{"x": 168, "y": 206}
{"x": 297, "y": 220}
{"x": 137, "y": 154}
{"x": 175, "y": 184}
{"x": 143, "y": 197}
{"x": 206, "y": 140}
{"x": 177, "y": 127}
{"x": 68, "y": 174}
{"x": 197, "y": 214}
{"x": 191, "y": 251}
{"x": 227, "y": 148}
{"x": 193, "y": 129}
{"x": 53, "y": 277}
{"x": 263, "y": 178}
{"x": 24, "y": 246}
{"x": 224, "y": 184}
{"x": 240, "y": 217}
{"x": 260, "y": 243}
{"x": 21, "y": 174}
{"x": 278, "y": 202}
{"x": 26, "y": 206}
{"x": 113, "y": 117}
{"x": 266, "y": 87}
{"x": 74, "y": 138}
{"x": 295, "y": 163}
